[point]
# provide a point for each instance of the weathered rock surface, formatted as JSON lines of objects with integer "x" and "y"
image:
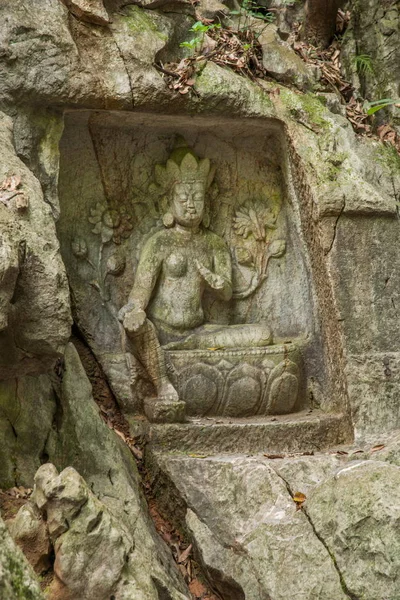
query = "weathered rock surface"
{"x": 36, "y": 324}
{"x": 72, "y": 433}
{"x": 27, "y": 409}
{"x": 111, "y": 67}
{"x": 240, "y": 513}
{"x": 356, "y": 514}
{"x": 87, "y": 444}
{"x": 280, "y": 60}
{"x": 29, "y": 532}
{"x": 92, "y": 11}
{"x": 17, "y": 580}
{"x": 249, "y": 536}
{"x": 253, "y": 543}
{"x": 371, "y": 50}
{"x": 90, "y": 549}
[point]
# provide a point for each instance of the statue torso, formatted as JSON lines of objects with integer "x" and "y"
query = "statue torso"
{"x": 177, "y": 296}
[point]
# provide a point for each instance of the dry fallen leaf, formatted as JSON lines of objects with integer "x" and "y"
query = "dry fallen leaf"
{"x": 185, "y": 554}
{"x": 377, "y": 447}
{"x": 121, "y": 435}
{"x": 299, "y": 498}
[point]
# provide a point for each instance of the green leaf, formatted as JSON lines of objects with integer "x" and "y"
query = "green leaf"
{"x": 199, "y": 26}
{"x": 381, "y": 101}
{"x": 373, "y": 107}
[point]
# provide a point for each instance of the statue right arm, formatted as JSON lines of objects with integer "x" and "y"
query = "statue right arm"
{"x": 146, "y": 277}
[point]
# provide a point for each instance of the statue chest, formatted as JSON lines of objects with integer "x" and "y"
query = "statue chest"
{"x": 181, "y": 263}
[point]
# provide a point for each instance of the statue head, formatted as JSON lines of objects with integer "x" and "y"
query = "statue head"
{"x": 187, "y": 178}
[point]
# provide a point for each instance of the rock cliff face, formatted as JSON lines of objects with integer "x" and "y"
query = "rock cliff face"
{"x": 85, "y": 117}
{"x": 371, "y": 50}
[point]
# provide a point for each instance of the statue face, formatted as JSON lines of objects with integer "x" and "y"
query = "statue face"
{"x": 187, "y": 203}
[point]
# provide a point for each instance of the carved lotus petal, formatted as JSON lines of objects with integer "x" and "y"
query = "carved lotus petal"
{"x": 161, "y": 175}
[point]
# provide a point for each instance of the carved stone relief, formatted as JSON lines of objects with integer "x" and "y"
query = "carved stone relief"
{"x": 187, "y": 245}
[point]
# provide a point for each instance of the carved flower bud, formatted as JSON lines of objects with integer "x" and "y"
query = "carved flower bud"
{"x": 116, "y": 264}
{"x": 79, "y": 248}
{"x": 111, "y": 218}
{"x": 244, "y": 257}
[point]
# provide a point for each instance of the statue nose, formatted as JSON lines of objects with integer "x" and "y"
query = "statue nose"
{"x": 191, "y": 207}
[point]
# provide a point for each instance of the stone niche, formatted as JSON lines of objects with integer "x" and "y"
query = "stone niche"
{"x": 112, "y": 203}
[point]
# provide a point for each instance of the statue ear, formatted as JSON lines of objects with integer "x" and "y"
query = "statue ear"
{"x": 168, "y": 220}
{"x": 206, "y": 220}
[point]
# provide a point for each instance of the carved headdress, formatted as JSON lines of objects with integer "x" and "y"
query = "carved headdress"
{"x": 184, "y": 166}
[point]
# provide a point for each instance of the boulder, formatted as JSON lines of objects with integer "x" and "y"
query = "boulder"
{"x": 90, "y": 547}
{"x": 356, "y": 515}
{"x": 281, "y": 61}
{"x": 35, "y": 326}
{"x": 29, "y": 532}
{"x": 250, "y": 538}
{"x": 92, "y": 11}
{"x": 17, "y": 580}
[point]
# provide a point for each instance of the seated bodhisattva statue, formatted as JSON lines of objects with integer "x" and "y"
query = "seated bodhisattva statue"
{"x": 176, "y": 266}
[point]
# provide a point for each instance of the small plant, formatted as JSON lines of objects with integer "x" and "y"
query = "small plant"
{"x": 199, "y": 28}
{"x": 373, "y": 107}
{"x": 363, "y": 64}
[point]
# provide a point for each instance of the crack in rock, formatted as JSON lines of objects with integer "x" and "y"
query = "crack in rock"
{"x": 321, "y": 539}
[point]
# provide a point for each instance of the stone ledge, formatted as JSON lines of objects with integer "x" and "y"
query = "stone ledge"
{"x": 301, "y": 432}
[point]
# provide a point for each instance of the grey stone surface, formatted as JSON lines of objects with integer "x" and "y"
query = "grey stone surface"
{"x": 29, "y": 532}
{"x": 356, "y": 514}
{"x": 92, "y": 11}
{"x": 27, "y": 410}
{"x": 65, "y": 426}
{"x": 95, "y": 285}
{"x": 281, "y": 61}
{"x": 367, "y": 305}
{"x": 239, "y": 512}
{"x": 374, "y": 33}
{"x": 90, "y": 549}
{"x": 340, "y": 201}
{"x": 17, "y": 580}
{"x": 99, "y": 67}
{"x": 300, "y": 432}
{"x": 35, "y": 325}
{"x": 84, "y": 442}
{"x": 249, "y": 536}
